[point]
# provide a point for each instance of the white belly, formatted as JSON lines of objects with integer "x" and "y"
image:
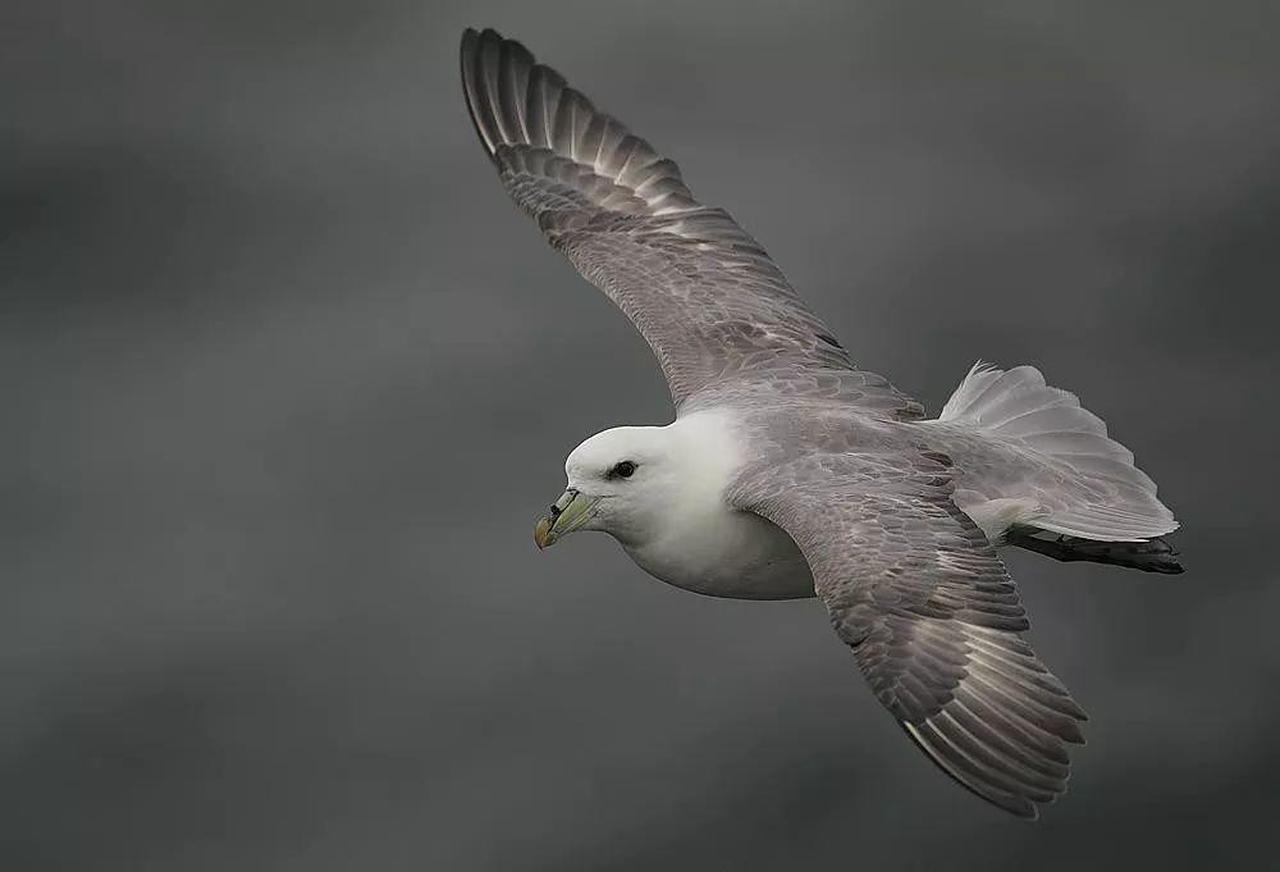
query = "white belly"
{"x": 726, "y": 553}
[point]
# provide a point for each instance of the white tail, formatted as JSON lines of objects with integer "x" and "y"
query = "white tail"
{"x": 1105, "y": 497}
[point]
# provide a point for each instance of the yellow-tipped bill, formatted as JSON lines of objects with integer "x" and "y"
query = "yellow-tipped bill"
{"x": 570, "y": 512}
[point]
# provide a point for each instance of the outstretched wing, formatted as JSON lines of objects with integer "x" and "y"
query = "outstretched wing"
{"x": 711, "y": 304}
{"x": 934, "y": 620}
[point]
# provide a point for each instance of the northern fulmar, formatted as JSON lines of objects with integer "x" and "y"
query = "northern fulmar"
{"x": 789, "y": 471}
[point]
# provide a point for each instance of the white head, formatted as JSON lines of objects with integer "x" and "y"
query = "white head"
{"x": 623, "y": 481}
{"x": 641, "y": 484}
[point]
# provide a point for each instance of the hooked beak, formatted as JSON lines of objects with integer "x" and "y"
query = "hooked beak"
{"x": 568, "y": 513}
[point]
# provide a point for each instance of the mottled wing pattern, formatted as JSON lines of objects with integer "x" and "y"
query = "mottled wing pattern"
{"x": 702, "y": 292}
{"x": 932, "y": 616}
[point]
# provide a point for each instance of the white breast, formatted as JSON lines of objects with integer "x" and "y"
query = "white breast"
{"x": 729, "y": 554}
{"x": 706, "y": 546}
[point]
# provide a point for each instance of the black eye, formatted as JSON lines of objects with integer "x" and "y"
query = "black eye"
{"x": 625, "y": 469}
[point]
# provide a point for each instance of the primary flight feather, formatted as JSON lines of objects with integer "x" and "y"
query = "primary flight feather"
{"x": 789, "y": 472}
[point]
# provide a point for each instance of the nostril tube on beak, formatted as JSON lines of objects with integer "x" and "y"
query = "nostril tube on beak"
{"x": 543, "y": 532}
{"x": 558, "y": 507}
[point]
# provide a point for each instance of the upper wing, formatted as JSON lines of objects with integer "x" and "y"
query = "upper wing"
{"x": 711, "y": 304}
{"x": 934, "y": 620}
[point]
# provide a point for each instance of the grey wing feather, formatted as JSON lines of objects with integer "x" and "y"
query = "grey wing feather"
{"x": 706, "y": 297}
{"x": 932, "y": 616}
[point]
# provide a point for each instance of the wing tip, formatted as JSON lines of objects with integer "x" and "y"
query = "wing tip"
{"x": 515, "y": 101}
{"x": 468, "y": 52}
{"x": 1019, "y": 806}
{"x": 474, "y": 36}
{"x": 1020, "y": 790}
{"x": 484, "y": 55}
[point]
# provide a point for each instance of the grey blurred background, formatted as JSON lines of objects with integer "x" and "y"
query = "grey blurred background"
{"x": 286, "y": 379}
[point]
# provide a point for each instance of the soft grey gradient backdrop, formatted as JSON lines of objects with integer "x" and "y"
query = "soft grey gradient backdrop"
{"x": 286, "y": 380}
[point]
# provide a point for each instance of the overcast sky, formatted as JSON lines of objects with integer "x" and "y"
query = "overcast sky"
{"x": 287, "y": 379}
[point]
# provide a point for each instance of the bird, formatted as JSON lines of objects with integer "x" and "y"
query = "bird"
{"x": 790, "y": 472}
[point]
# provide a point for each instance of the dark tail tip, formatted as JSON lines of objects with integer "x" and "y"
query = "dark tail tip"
{"x": 1153, "y": 555}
